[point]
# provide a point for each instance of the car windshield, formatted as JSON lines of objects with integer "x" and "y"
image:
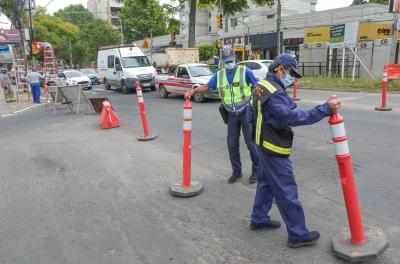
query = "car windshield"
{"x": 266, "y": 63}
{"x": 202, "y": 70}
{"x": 73, "y": 74}
{"x": 132, "y": 62}
{"x": 87, "y": 71}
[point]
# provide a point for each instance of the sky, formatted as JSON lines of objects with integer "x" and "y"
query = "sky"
{"x": 59, "y": 4}
{"x": 54, "y": 5}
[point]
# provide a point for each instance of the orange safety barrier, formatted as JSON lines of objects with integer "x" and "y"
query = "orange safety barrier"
{"x": 108, "y": 117}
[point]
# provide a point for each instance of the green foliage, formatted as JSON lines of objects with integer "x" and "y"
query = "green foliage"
{"x": 7, "y": 8}
{"x": 86, "y": 33}
{"x": 207, "y": 52}
{"x": 75, "y": 14}
{"x": 140, "y": 18}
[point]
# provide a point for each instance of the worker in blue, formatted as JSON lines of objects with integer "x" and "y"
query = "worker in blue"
{"x": 234, "y": 84}
{"x": 272, "y": 115}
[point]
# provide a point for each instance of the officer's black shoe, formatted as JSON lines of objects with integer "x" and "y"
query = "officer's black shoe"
{"x": 234, "y": 178}
{"x": 313, "y": 237}
{"x": 271, "y": 225}
{"x": 253, "y": 179}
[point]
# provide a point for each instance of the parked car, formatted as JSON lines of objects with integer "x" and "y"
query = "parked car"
{"x": 122, "y": 67}
{"x": 72, "y": 77}
{"x": 185, "y": 77}
{"x": 259, "y": 67}
{"x": 93, "y": 76}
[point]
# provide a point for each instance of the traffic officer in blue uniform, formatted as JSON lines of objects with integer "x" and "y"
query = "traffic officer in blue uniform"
{"x": 272, "y": 115}
{"x": 234, "y": 84}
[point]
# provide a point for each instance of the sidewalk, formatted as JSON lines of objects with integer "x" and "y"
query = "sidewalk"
{"x": 12, "y": 108}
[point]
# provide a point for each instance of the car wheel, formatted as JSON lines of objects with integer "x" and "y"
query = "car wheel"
{"x": 198, "y": 97}
{"x": 107, "y": 86}
{"x": 90, "y": 88}
{"x": 153, "y": 88}
{"x": 163, "y": 92}
{"x": 124, "y": 88}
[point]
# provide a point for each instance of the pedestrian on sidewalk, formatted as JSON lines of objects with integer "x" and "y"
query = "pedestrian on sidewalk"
{"x": 234, "y": 84}
{"x": 34, "y": 82}
{"x": 5, "y": 83}
{"x": 272, "y": 115}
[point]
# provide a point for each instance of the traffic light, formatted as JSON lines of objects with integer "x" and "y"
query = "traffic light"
{"x": 146, "y": 43}
{"x": 35, "y": 48}
{"x": 219, "y": 20}
{"x": 218, "y": 43}
{"x": 173, "y": 36}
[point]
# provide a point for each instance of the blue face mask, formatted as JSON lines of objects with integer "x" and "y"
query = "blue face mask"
{"x": 230, "y": 65}
{"x": 287, "y": 81}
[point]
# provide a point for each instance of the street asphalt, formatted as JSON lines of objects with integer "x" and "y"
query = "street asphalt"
{"x": 72, "y": 192}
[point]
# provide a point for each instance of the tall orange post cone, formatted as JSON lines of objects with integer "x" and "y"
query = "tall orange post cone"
{"x": 108, "y": 117}
{"x": 147, "y": 135}
{"x": 383, "y": 106}
{"x": 187, "y": 188}
{"x": 295, "y": 86}
{"x": 358, "y": 242}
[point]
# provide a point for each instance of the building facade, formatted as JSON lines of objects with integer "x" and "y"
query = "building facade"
{"x": 106, "y": 10}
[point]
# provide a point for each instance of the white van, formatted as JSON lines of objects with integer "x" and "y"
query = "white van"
{"x": 121, "y": 67}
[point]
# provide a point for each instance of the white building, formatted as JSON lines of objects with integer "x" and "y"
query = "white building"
{"x": 106, "y": 10}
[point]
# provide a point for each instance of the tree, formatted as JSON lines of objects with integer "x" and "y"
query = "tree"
{"x": 86, "y": 33}
{"x": 75, "y": 14}
{"x": 229, "y": 7}
{"x": 141, "y": 18}
{"x": 207, "y": 51}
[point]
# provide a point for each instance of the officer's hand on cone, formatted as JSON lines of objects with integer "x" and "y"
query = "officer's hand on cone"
{"x": 333, "y": 103}
{"x": 189, "y": 93}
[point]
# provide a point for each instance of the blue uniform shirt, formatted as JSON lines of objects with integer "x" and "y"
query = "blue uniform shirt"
{"x": 281, "y": 112}
{"x": 250, "y": 78}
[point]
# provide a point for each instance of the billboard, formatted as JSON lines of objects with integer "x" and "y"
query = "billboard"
{"x": 316, "y": 35}
{"x": 337, "y": 33}
{"x": 373, "y": 31}
{"x": 10, "y": 36}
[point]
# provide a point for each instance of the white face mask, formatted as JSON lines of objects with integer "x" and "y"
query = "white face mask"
{"x": 230, "y": 65}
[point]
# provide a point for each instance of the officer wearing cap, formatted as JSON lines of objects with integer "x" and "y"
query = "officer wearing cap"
{"x": 234, "y": 84}
{"x": 272, "y": 115}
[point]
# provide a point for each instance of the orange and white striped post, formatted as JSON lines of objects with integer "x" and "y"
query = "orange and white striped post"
{"x": 357, "y": 245}
{"x": 147, "y": 136}
{"x": 187, "y": 188}
{"x": 383, "y": 106}
{"x": 295, "y": 86}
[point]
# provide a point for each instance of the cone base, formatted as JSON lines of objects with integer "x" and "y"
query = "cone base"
{"x": 148, "y": 138}
{"x": 296, "y": 99}
{"x": 374, "y": 245}
{"x": 379, "y": 108}
{"x": 178, "y": 190}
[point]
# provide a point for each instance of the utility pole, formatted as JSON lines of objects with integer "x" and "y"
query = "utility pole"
{"x": 70, "y": 52}
{"x": 278, "y": 28}
{"x": 394, "y": 39}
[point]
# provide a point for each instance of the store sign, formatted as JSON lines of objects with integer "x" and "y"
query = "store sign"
{"x": 4, "y": 48}
{"x": 315, "y": 35}
{"x": 293, "y": 41}
{"x": 234, "y": 42}
{"x": 10, "y": 36}
{"x": 373, "y": 31}
{"x": 337, "y": 33}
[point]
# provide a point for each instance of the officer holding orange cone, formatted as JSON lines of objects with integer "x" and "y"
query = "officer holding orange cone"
{"x": 272, "y": 115}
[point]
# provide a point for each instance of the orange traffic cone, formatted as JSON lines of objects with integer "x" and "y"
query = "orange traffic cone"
{"x": 108, "y": 117}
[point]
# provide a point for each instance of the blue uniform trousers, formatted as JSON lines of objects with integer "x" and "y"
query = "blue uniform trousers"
{"x": 35, "y": 88}
{"x": 276, "y": 180}
{"x": 237, "y": 121}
